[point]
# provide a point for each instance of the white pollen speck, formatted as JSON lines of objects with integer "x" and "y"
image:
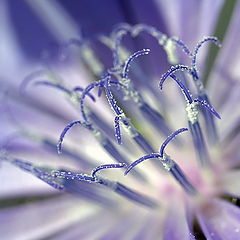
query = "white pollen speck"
{"x": 192, "y": 112}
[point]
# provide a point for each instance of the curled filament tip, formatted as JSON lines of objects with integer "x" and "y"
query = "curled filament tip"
{"x": 199, "y": 45}
{"x": 131, "y": 58}
{"x": 171, "y": 71}
{"x": 31, "y": 77}
{"x": 54, "y": 85}
{"x": 135, "y": 163}
{"x": 106, "y": 166}
{"x": 65, "y": 130}
{"x": 170, "y": 138}
{"x": 208, "y": 107}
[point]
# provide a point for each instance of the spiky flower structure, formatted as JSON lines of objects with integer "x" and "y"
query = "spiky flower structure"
{"x": 147, "y": 163}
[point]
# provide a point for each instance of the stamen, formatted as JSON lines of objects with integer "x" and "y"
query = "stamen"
{"x": 50, "y": 178}
{"x": 102, "y": 83}
{"x": 192, "y": 115}
{"x": 167, "y": 163}
{"x": 154, "y": 117}
{"x": 54, "y": 85}
{"x": 66, "y": 129}
{"x": 114, "y": 186}
{"x": 106, "y": 166}
{"x": 64, "y": 89}
{"x": 209, "y": 121}
{"x": 31, "y": 77}
{"x": 192, "y": 112}
{"x": 171, "y": 167}
{"x": 206, "y": 39}
{"x": 170, "y": 138}
{"x": 102, "y": 139}
{"x": 172, "y": 70}
{"x": 135, "y": 163}
{"x": 131, "y": 58}
{"x": 106, "y": 83}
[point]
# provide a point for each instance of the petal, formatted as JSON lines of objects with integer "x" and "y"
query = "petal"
{"x": 176, "y": 225}
{"x": 39, "y": 219}
{"x": 220, "y": 220}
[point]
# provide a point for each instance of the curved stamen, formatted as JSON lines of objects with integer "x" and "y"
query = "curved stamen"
{"x": 66, "y": 129}
{"x": 106, "y": 83}
{"x": 184, "y": 89}
{"x": 208, "y": 107}
{"x": 206, "y": 39}
{"x": 170, "y": 138}
{"x": 32, "y": 76}
{"x": 107, "y": 166}
{"x": 54, "y": 85}
{"x": 135, "y": 163}
{"x": 52, "y": 177}
{"x": 131, "y": 58}
{"x": 171, "y": 71}
{"x": 64, "y": 89}
{"x": 190, "y": 100}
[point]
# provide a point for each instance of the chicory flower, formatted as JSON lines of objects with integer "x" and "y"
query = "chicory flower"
{"x": 117, "y": 149}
